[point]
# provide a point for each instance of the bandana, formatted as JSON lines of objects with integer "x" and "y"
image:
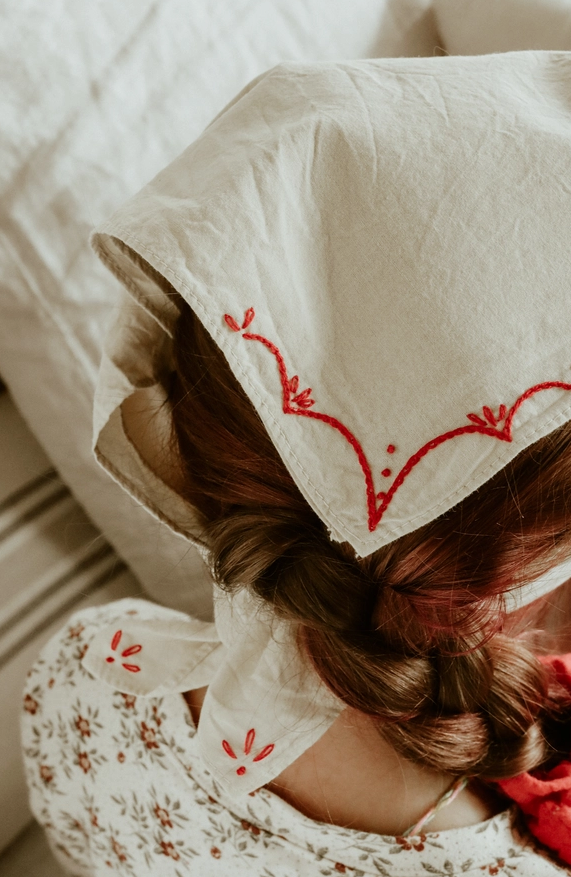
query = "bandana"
{"x": 379, "y": 248}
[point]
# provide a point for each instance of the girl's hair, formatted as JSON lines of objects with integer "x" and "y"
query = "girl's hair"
{"x": 415, "y": 635}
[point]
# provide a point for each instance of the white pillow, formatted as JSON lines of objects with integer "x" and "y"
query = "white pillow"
{"x": 91, "y": 110}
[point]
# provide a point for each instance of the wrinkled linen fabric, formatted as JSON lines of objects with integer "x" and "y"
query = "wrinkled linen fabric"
{"x": 380, "y": 250}
{"x": 119, "y": 785}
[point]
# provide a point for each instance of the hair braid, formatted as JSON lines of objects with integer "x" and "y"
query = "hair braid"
{"x": 413, "y": 635}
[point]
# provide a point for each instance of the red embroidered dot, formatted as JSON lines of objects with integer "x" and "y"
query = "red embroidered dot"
{"x": 110, "y": 660}
{"x": 391, "y": 449}
{"x": 386, "y": 472}
{"x": 241, "y": 770}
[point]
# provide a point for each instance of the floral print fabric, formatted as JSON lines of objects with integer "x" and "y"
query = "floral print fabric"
{"x": 119, "y": 787}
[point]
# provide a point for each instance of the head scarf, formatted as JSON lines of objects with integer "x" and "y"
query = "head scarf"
{"x": 380, "y": 249}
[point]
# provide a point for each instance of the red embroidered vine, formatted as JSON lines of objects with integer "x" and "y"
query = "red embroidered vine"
{"x": 490, "y": 424}
{"x": 248, "y": 743}
{"x": 126, "y": 653}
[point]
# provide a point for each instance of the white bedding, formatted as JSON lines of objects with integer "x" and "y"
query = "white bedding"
{"x": 90, "y": 109}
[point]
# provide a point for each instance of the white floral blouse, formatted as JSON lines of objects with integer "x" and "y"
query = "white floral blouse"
{"x": 120, "y": 788}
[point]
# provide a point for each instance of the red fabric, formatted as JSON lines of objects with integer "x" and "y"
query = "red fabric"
{"x": 545, "y": 796}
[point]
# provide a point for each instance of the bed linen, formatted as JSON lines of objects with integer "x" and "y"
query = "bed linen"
{"x": 90, "y": 110}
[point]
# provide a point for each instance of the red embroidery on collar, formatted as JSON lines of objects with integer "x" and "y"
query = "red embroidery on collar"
{"x": 248, "y": 743}
{"x": 490, "y": 424}
{"x": 126, "y": 653}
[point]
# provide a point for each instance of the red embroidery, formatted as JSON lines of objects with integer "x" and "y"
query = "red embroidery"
{"x": 385, "y": 473}
{"x": 126, "y": 653}
{"x": 489, "y": 425}
{"x": 267, "y": 750}
{"x": 248, "y": 743}
{"x": 228, "y": 749}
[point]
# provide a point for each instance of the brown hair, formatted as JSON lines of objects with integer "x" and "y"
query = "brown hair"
{"x": 415, "y": 635}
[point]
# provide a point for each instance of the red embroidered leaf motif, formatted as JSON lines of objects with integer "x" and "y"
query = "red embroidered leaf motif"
{"x": 303, "y": 400}
{"x": 488, "y": 414}
{"x": 132, "y": 668}
{"x": 116, "y": 639}
{"x": 132, "y": 650}
{"x": 249, "y": 742}
{"x": 502, "y": 412}
{"x": 228, "y": 749}
{"x": 248, "y": 317}
{"x": 294, "y": 384}
{"x": 230, "y": 321}
{"x": 475, "y": 419}
{"x": 265, "y": 752}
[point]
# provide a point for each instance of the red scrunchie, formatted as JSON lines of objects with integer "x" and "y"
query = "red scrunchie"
{"x": 545, "y": 796}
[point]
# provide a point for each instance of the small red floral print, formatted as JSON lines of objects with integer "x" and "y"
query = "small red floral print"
{"x": 156, "y": 717}
{"x": 76, "y": 631}
{"x": 84, "y": 762}
{"x": 30, "y": 705}
{"x": 126, "y": 653}
{"x": 169, "y": 850}
{"x": 83, "y": 650}
{"x": 46, "y": 773}
{"x": 51, "y": 683}
{"x": 494, "y": 869}
{"x": 93, "y": 817}
{"x": 82, "y": 726}
{"x": 413, "y": 843}
{"x": 247, "y": 826}
{"x": 163, "y": 816}
{"x": 148, "y": 736}
{"x": 130, "y": 700}
{"x": 340, "y": 867}
{"x": 121, "y": 757}
{"x": 215, "y": 852}
{"x": 119, "y": 850}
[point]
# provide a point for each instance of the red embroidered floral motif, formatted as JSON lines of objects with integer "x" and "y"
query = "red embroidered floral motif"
{"x": 132, "y": 650}
{"x": 489, "y": 424}
{"x": 248, "y": 743}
